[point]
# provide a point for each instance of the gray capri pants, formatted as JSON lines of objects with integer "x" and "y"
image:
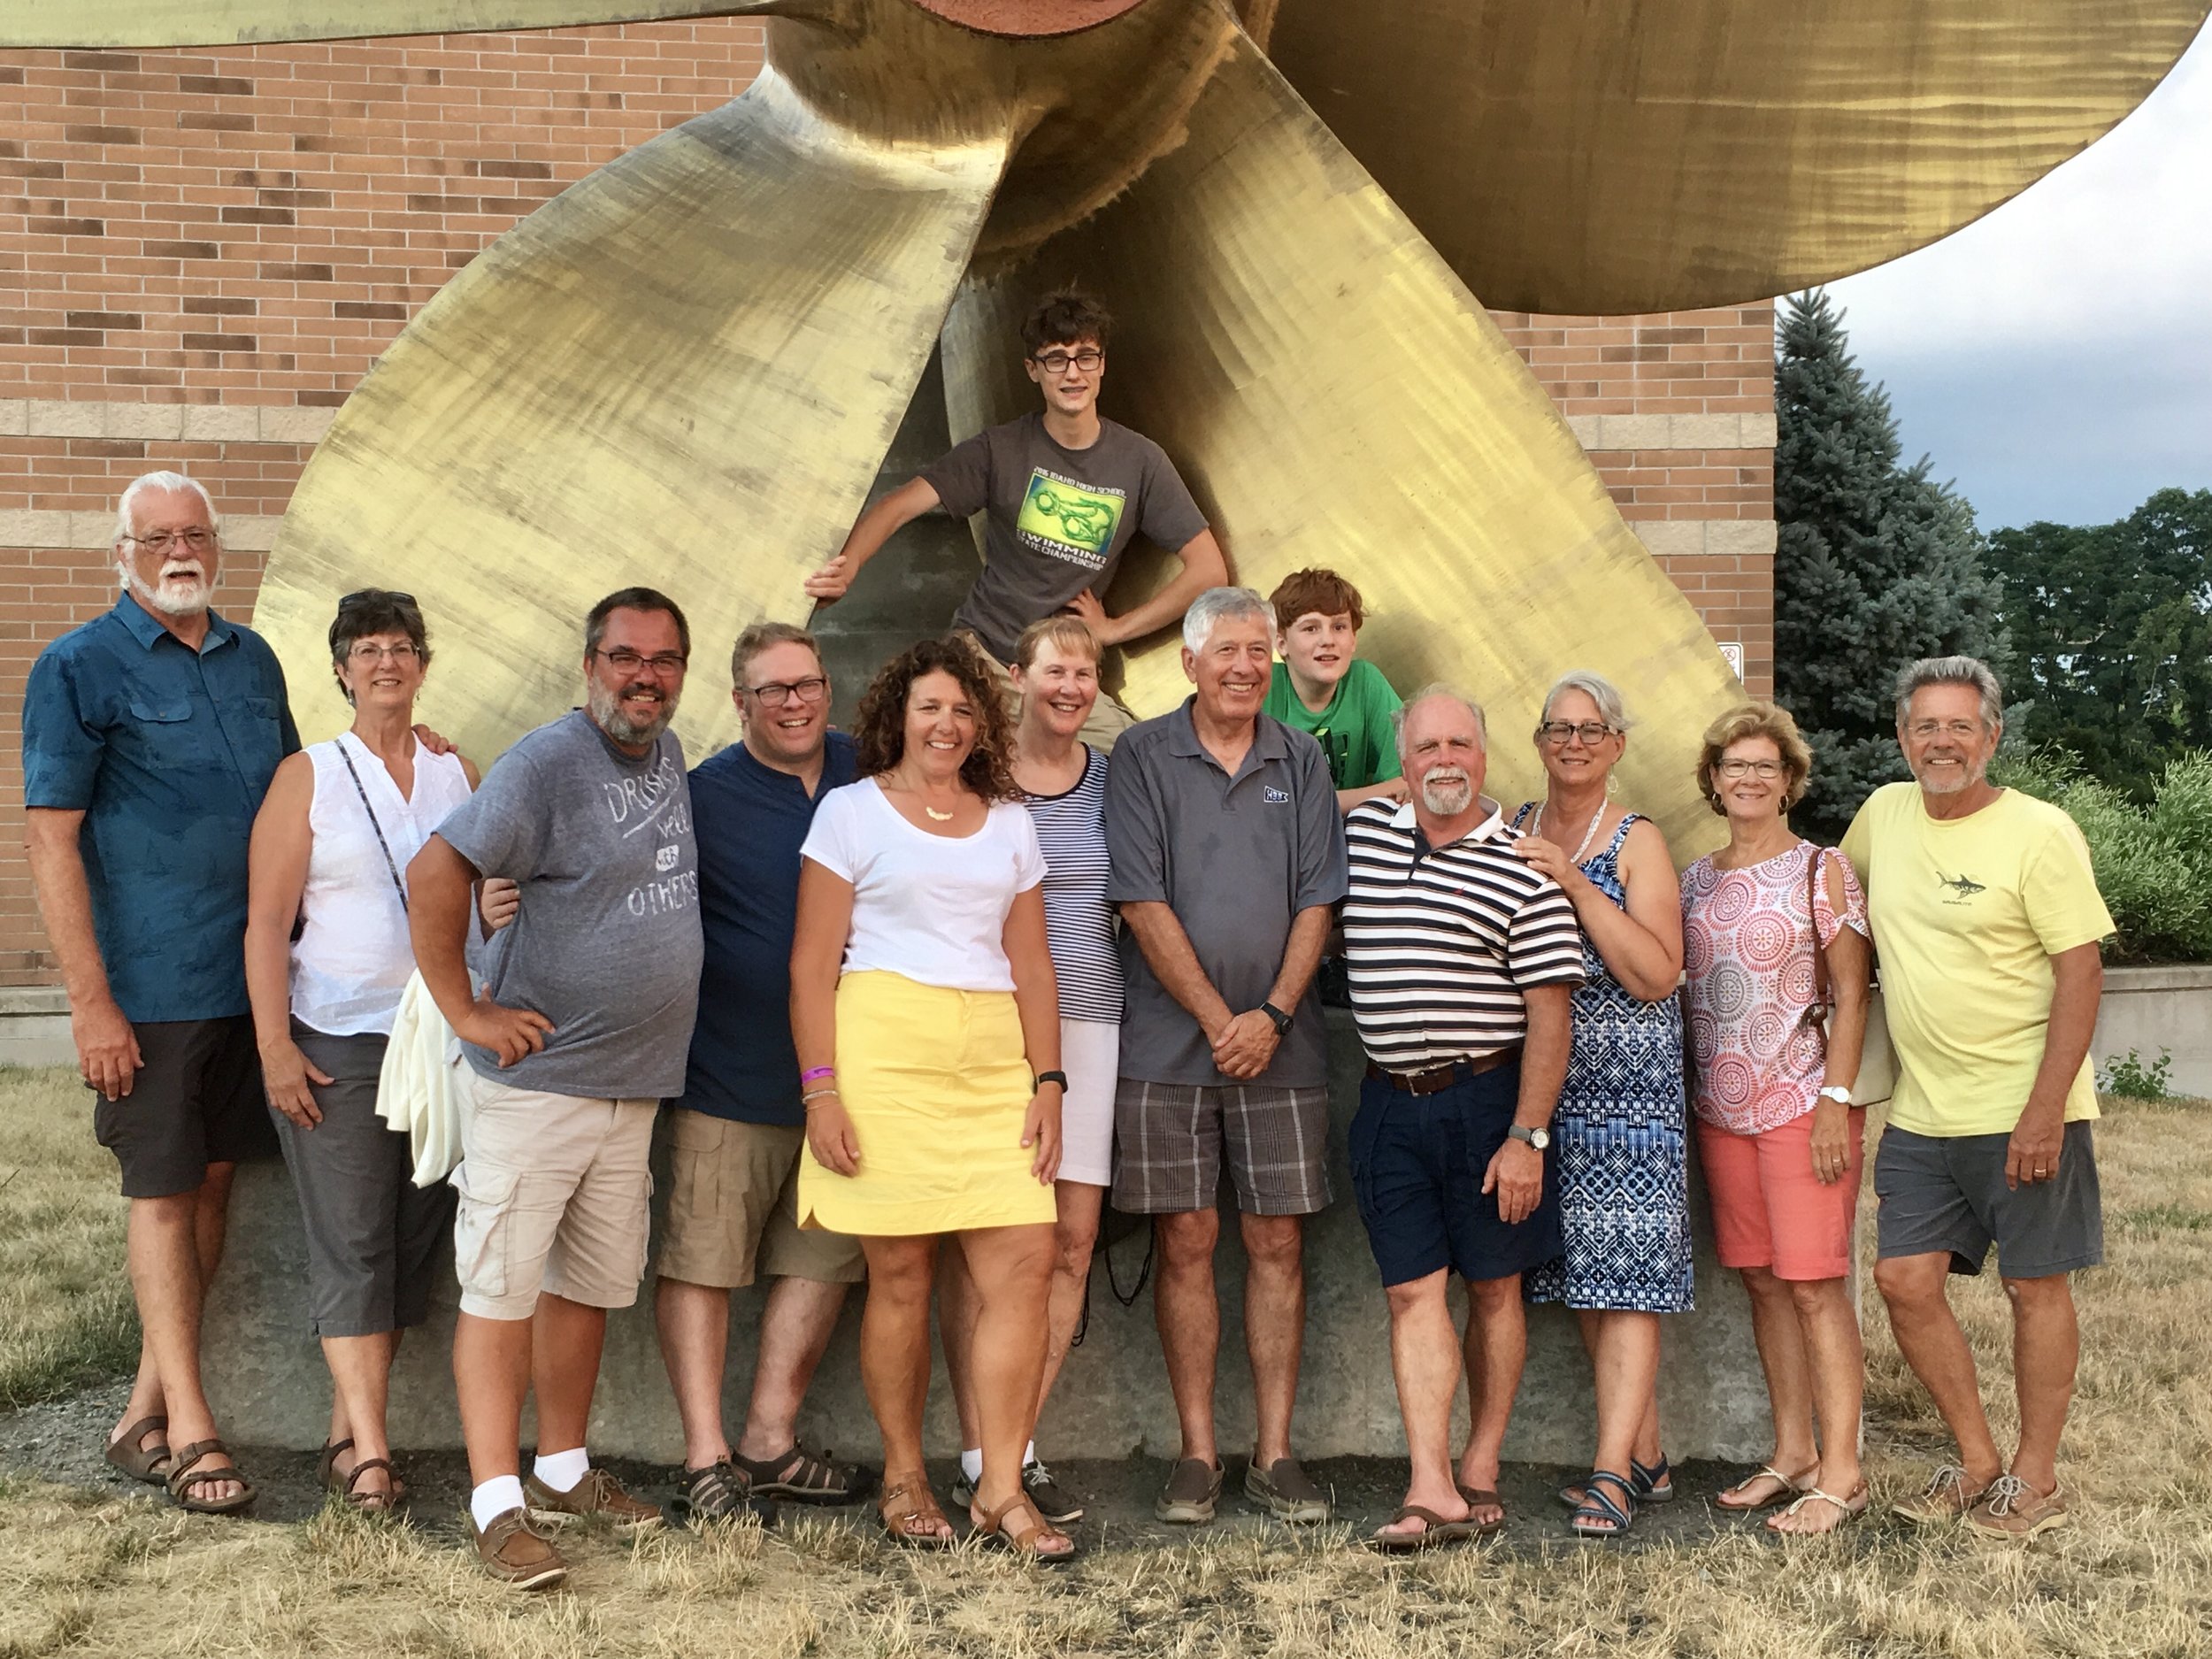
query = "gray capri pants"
{"x": 373, "y": 1237}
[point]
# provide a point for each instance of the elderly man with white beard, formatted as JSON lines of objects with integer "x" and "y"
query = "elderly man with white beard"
{"x": 579, "y": 1031}
{"x": 1463, "y": 960}
{"x": 149, "y": 736}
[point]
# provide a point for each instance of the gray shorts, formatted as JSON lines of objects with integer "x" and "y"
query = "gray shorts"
{"x": 374, "y": 1238}
{"x": 1169, "y": 1139}
{"x": 1949, "y": 1194}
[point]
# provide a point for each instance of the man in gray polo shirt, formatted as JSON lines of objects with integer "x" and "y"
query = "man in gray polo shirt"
{"x": 1228, "y": 853}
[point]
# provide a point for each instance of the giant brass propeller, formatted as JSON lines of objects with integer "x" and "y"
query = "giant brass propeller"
{"x": 684, "y": 370}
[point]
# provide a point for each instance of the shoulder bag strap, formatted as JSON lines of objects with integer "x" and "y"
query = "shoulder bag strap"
{"x": 398, "y": 886}
{"x": 1823, "y": 996}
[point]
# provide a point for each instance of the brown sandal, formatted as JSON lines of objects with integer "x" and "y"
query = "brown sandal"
{"x": 138, "y": 1461}
{"x": 372, "y": 1503}
{"x": 906, "y": 1508}
{"x": 1029, "y": 1541}
{"x": 187, "y": 1475}
{"x": 327, "y": 1477}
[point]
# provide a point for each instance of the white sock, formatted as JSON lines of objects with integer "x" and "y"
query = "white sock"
{"x": 562, "y": 1470}
{"x": 1029, "y": 1454}
{"x": 494, "y": 1498}
{"x": 972, "y": 1463}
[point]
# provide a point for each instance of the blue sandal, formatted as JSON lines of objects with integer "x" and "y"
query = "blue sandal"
{"x": 1599, "y": 1516}
{"x": 1652, "y": 1483}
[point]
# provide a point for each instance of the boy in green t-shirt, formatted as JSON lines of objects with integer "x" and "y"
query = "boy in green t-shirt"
{"x": 1321, "y": 687}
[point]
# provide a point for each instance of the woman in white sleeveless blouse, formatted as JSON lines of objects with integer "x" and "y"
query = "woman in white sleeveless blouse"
{"x": 326, "y": 958}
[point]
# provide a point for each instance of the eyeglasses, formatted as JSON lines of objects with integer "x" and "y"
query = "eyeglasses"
{"x": 375, "y": 593}
{"x": 776, "y": 694}
{"x": 668, "y": 664}
{"x": 1964, "y": 731}
{"x": 1557, "y": 732}
{"x": 1762, "y": 769}
{"x": 1057, "y": 362}
{"x": 197, "y": 539}
{"x": 365, "y": 653}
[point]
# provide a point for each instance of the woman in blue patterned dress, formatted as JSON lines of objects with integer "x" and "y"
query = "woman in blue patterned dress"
{"x": 1619, "y": 1138}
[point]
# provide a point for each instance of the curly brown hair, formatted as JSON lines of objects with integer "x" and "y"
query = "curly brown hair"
{"x": 880, "y": 732}
{"x": 1756, "y": 719}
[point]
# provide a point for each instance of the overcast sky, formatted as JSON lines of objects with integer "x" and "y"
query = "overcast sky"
{"x": 2055, "y": 357}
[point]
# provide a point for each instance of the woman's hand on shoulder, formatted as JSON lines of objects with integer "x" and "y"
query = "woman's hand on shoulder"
{"x": 1549, "y": 860}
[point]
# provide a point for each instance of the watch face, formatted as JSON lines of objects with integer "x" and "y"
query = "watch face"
{"x": 1540, "y": 1139}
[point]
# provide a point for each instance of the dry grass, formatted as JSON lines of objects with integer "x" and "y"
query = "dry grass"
{"x": 65, "y": 1315}
{"x": 86, "y": 1576}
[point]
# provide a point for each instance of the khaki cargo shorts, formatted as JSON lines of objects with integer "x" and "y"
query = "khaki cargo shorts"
{"x": 555, "y": 1195}
{"x": 733, "y": 1208}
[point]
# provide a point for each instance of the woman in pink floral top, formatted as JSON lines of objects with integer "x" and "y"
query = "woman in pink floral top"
{"x": 1777, "y": 1133}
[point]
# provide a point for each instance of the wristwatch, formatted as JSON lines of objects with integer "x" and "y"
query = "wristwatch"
{"x": 1539, "y": 1138}
{"x": 1836, "y": 1093}
{"x": 1043, "y": 1077}
{"x": 1281, "y": 1019}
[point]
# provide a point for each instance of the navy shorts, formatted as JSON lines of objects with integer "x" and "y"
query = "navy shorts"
{"x": 1418, "y": 1164}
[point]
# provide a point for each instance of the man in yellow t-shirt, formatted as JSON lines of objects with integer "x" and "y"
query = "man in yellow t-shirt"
{"x": 1986, "y": 917}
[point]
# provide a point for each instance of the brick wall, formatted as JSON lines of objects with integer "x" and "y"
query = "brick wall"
{"x": 202, "y": 252}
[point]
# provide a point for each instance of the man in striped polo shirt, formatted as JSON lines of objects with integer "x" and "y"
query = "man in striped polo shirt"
{"x": 1463, "y": 960}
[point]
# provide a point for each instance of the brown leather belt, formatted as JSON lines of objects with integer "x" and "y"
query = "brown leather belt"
{"x": 1437, "y": 1078}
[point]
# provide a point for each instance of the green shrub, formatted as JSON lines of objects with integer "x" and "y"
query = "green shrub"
{"x": 2153, "y": 863}
{"x": 2131, "y": 1077}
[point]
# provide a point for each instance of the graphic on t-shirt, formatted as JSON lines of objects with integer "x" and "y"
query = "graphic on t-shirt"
{"x": 1965, "y": 887}
{"x": 1071, "y": 521}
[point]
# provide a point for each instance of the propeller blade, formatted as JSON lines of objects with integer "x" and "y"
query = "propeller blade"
{"x": 156, "y": 23}
{"x": 1599, "y": 156}
{"x": 1335, "y": 395}
{"x": 682, "y": 372}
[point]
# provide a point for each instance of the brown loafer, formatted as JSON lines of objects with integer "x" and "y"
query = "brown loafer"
{"x": 512, "y": 1552}
{"x": 2013, "y": 1508}
{"x": 597, "y": 1496}
{"x": 1948, "y": 1495}
{"x": 1286, "y": 1492}
{"x": 1192, "y": 1490}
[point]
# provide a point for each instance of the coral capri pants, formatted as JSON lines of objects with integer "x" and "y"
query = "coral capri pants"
{"x": 1769, "y": 1210}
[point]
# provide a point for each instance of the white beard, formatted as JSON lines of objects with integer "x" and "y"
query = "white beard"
{"x": 171, "y": 595}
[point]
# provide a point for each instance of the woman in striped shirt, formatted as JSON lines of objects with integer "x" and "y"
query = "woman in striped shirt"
{"x": 1064, "y": 780}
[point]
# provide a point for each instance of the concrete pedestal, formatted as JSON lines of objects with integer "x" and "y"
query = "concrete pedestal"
{"x": 267, "y": 1379}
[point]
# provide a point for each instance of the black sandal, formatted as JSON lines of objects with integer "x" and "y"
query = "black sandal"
{"x": 719, "y": 1493}
{"x": 186, "y": 1476}
{"x": 804, "y": 1477}
{"x": 1598, "y": 1515}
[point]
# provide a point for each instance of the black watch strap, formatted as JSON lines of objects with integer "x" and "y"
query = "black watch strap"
{"x": 1281, "y": 1019}
{"x": 1043, "y": 1077}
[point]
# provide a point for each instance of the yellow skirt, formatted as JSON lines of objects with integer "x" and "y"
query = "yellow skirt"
{"x": 937, "y": 1083}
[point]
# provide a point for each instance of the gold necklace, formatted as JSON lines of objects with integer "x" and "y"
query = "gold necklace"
{"x": 930, "y": 812}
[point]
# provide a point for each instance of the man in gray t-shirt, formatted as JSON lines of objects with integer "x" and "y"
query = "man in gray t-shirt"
{"x": 1063, "y": 492}
{"x": 582, "y": 1025}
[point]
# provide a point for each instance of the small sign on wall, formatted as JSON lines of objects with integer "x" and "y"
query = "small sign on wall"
{"x": 1732, "y": 649}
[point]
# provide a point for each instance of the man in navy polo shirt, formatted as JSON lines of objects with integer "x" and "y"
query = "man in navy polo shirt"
{"x": 149, "y": 736}
{"x": 736, "y": 1131}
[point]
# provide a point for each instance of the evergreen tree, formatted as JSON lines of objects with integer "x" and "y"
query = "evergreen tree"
{"x": 2111, "y": 629}
{"x": 1875, "y": 565}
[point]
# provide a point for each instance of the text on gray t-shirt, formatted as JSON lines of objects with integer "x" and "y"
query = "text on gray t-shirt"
{"x": 606, "y": 944}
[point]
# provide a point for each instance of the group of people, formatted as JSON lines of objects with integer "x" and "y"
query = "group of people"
{"x": 908, "y": 1006}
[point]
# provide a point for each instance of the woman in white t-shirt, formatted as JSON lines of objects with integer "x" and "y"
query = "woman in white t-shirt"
{"x": 326, "y": 958}
{"x": 924, "y": 1013}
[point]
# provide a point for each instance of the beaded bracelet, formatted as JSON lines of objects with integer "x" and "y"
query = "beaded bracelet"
{"x": 814, "y": 1094}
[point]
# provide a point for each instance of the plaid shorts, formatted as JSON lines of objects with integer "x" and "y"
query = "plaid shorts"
{"x": 1168, "y": 1139}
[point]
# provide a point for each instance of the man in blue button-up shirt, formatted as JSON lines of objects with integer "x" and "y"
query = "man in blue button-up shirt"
{"x": 149, "y": 736}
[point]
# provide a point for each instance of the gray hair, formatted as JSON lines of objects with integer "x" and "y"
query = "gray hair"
{"x": 1438, "y": 689}
{"x": 126, "y": 509}
{"x": 1598, "y": 689}
{"x": 1219, "y": 604}
{"x": 1953, "y": 671}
